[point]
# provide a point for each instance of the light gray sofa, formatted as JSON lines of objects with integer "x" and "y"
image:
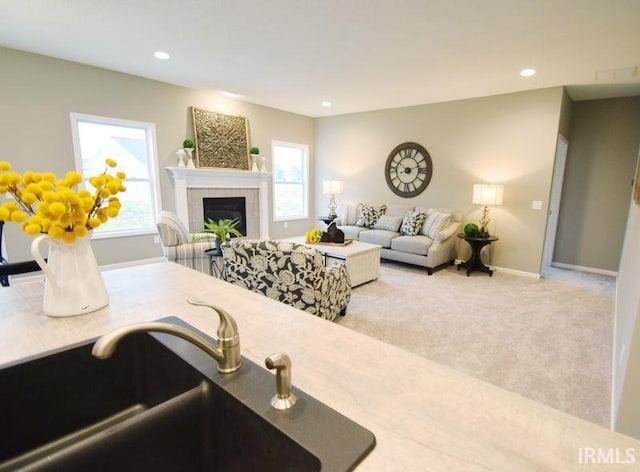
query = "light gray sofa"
{"x": 433, "y": 246}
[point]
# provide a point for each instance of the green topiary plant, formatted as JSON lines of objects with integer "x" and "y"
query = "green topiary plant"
{"x": 188, "y": 143}
{"x": 254, "y": 150}
{"x": 471, "y": 230}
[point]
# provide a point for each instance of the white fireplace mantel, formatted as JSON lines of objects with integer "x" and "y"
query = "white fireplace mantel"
{"x": 184, "y": 178}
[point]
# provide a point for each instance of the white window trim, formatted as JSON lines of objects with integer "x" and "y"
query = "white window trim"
{"x": 154, "y": 175}
{"x": 305, "y": 183}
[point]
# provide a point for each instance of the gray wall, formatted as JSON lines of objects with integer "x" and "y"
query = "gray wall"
{"x": 626, "y": 348}
{"x": 38, "y": 93}
{"x": 508, "y": 139}
{"x": 603, "y": 144}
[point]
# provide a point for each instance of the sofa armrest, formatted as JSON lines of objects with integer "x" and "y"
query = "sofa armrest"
{"x": 447, "y": 232}
{"x": 197, "y": 237}
{"x": 338, "y": 221}
{"x": 336, "y": 291}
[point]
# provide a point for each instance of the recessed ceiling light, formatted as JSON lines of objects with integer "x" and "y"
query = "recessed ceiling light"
{"x": 230, "y": 94}
{"x": 163, "y": 56}
{"x": 527, "y": 72}
{"x": 326, "y": 103}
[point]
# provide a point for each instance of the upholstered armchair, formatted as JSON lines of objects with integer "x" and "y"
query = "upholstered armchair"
{"x": 291, "y": 273}
{"x": 178, "y": 245}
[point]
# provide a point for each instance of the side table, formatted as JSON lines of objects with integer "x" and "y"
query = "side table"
{"x": 474, "y": 262}
{"x": 214, "y": 269}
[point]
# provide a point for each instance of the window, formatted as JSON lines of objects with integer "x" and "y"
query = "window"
{"x": 132, "y": 145}
{"x": 290, "y": 181}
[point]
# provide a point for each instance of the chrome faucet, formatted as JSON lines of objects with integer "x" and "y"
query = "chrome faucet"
{"x": 227, "y": 354}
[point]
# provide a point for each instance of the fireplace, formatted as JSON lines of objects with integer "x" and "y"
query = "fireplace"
{"x": 191, "y": 186}
{"x": 232, "y": 208}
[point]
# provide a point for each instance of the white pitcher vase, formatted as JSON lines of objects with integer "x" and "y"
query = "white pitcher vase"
{"x": 73, "y": 284}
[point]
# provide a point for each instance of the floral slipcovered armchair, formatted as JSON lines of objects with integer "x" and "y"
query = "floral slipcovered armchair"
{"x": 181, "y": 247}
{"x": 291, "y": 273}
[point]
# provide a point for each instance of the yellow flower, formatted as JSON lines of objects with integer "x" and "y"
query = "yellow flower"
{"x": 57, "y": 209}
{"x": 56, "y": 231}
{"x": 80, "y": 231}
{"x": 18, "y": 216}
{"x": 43, "y": 203}
{"x": 112, "y": 212}
{"x": 32, "y": 229}
{"x": 73, "y": 178}
{"x": 29, "y": 197}
{"x": 69, "y": 237}
{"x": 49, "y": 177}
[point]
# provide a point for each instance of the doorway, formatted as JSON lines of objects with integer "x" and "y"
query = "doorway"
{"x": 554, "y": 200}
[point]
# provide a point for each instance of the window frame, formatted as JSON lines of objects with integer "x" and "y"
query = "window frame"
{"x": 305, "y": 180}
{"x": 152, "y": 164}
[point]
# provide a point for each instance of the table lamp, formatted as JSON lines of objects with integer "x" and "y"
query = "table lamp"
{"x": 332, "y": 188}
{"x": 486, "y": 194}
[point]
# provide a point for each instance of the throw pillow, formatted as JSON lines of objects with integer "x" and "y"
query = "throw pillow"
{"x": 412, "y": 223}
{"x": 369, "y": 215}
{"x": 349, "y": 214}
{"x": 388, "y": 223}
{"x": 435, "y": 222}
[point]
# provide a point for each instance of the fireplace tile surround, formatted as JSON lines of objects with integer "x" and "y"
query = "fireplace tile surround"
{"x": 191, "y": 185}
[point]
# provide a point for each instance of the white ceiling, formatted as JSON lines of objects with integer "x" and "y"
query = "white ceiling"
{"x": 359, "y": 54}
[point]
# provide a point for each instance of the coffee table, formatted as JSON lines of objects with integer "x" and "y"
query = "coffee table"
{"x": 362, "y": 259}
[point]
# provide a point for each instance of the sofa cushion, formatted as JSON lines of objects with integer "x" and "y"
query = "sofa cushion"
{"x": 369, "y": 215}
{"x": 412, "y": 244}
{"x": 389, "y": 223}
{"x": 434, "y": 223}
{"x": 412, "y": 223}
{"x": 378, "y": 236}
{"x": 352, "y": 232}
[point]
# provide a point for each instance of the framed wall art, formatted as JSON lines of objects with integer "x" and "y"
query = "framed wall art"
{"x": 221, "y": 140}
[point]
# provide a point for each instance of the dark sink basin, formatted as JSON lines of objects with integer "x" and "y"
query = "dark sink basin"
{"x": 159, "y": 404}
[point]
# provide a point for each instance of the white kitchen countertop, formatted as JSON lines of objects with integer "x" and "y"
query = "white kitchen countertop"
{"x": 425, "y": 416}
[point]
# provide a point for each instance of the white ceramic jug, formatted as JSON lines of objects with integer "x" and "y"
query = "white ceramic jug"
{"x": 73, "y": 284}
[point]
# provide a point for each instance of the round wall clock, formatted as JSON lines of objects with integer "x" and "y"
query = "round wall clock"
{"x": 408, "y": 170}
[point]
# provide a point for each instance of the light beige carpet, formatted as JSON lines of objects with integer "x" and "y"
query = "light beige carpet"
{"x": 547, "y": 339}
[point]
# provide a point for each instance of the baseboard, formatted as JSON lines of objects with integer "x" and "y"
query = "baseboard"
{"x": 590, "y": 270}
{"x": 120, "y": 265}
{"x": 521, "y": 273}
{"x": 505, "y": 270}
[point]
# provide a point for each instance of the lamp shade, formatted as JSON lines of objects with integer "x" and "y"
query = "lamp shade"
{"x": 487, "y": 194}
{"x": 332, "y": 187}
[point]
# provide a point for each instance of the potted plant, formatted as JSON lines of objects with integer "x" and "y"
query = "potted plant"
{"x": 188, "y": 146}
{"x": 221, "y": 229}
{"x": 258, "y": 162}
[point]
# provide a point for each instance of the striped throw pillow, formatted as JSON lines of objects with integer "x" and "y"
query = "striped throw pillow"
{"x": 435, "y": 222}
